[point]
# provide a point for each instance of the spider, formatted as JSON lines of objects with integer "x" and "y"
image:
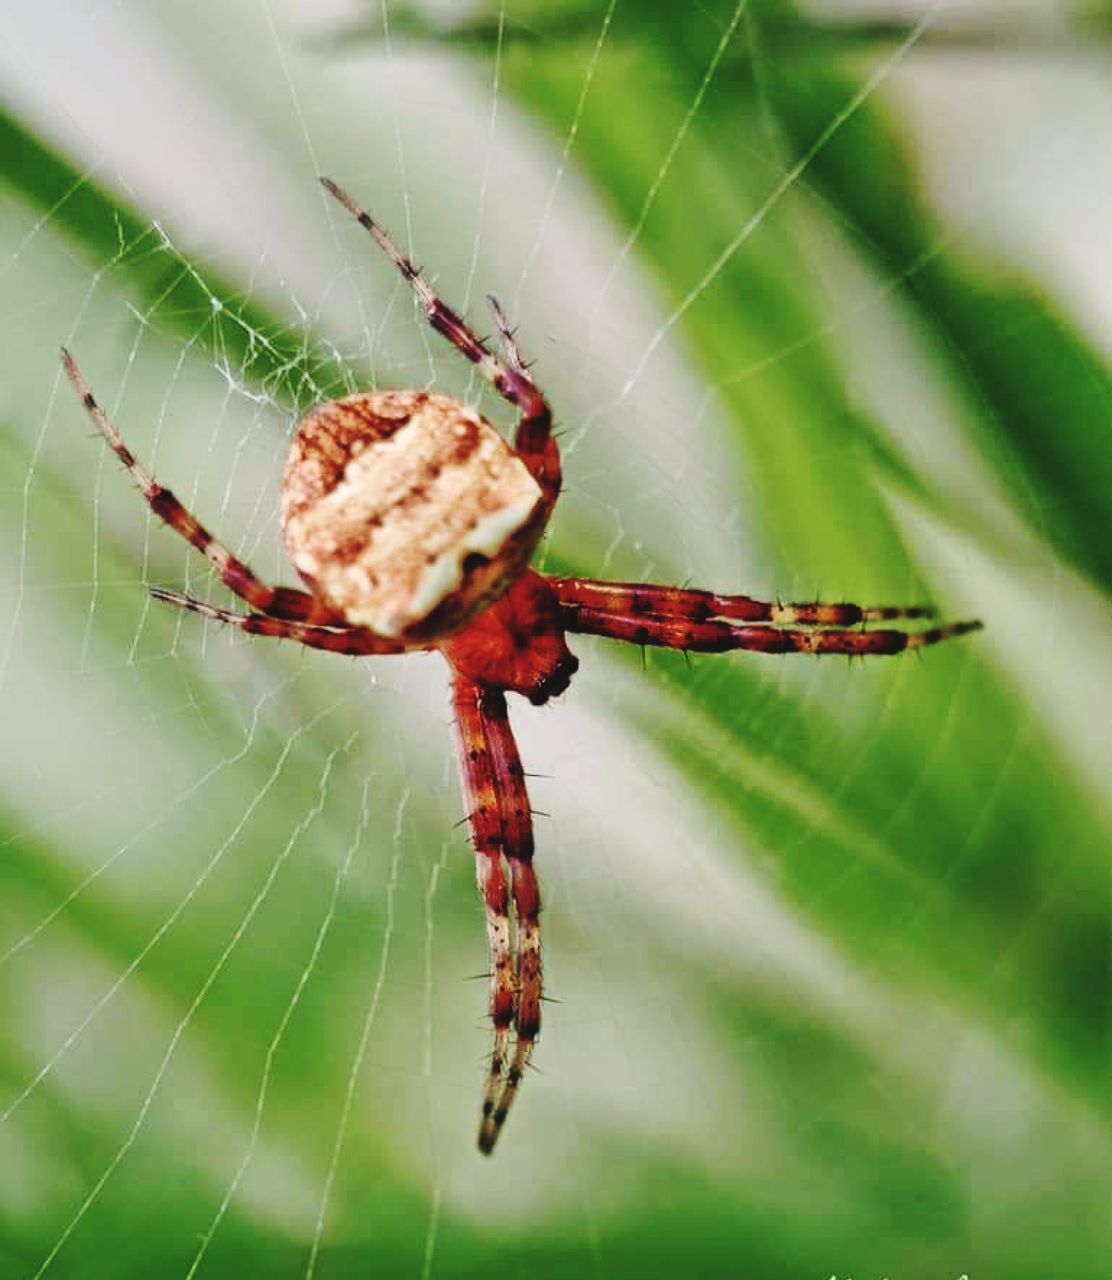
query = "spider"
{"x": 412, "y": 522}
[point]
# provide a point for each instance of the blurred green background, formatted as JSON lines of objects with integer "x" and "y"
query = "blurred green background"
{"x": 822, "y": 297}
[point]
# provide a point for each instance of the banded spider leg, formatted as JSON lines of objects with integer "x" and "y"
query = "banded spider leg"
{"x": 706, "y": 622}
{"x": 275, "y": 602}
{"x": 502, "y": 830}
{"x": 510, "y": 378}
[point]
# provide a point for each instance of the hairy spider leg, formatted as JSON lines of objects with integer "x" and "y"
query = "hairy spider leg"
{"x": 510, "y": 780}
{"x": 508, "y": 337}
{"x": 489, "y": 838}
{"x": 533, "y": 438}
{"x": 502, "y": 829}
{"x": 719, "y": 636}
{"x": 356, "y": 642}
{"x": 278, "y": 602}
{"x": 699, "y": 606}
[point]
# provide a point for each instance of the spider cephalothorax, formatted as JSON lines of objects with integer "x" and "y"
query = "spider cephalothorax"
{"x": 412, "y": 522}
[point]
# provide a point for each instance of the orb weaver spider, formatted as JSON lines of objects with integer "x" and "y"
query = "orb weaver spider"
{"x": 412, "y": 522}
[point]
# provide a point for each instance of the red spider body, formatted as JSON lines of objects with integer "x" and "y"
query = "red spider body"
{"x": 412, "y": 523}
{"x": 518, "y": 644}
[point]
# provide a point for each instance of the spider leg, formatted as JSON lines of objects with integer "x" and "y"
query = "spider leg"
{"x": 509, "y": 337}
{"x": 716, "y": 635}
{"x": 489, "y": 838}
{"x": 355, "y": 641}
{"x": 502, "y": 827}
{"x": 283, "y": 602}
{"x": 699, "y": 606}
{"x": 533, "y": 439}
{"x": 510, "y": 779}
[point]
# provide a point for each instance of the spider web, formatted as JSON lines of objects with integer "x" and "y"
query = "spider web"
{"x": 830, "y": 943}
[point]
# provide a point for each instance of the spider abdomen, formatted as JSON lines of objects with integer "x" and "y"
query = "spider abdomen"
{"x": 406, "y": 512}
